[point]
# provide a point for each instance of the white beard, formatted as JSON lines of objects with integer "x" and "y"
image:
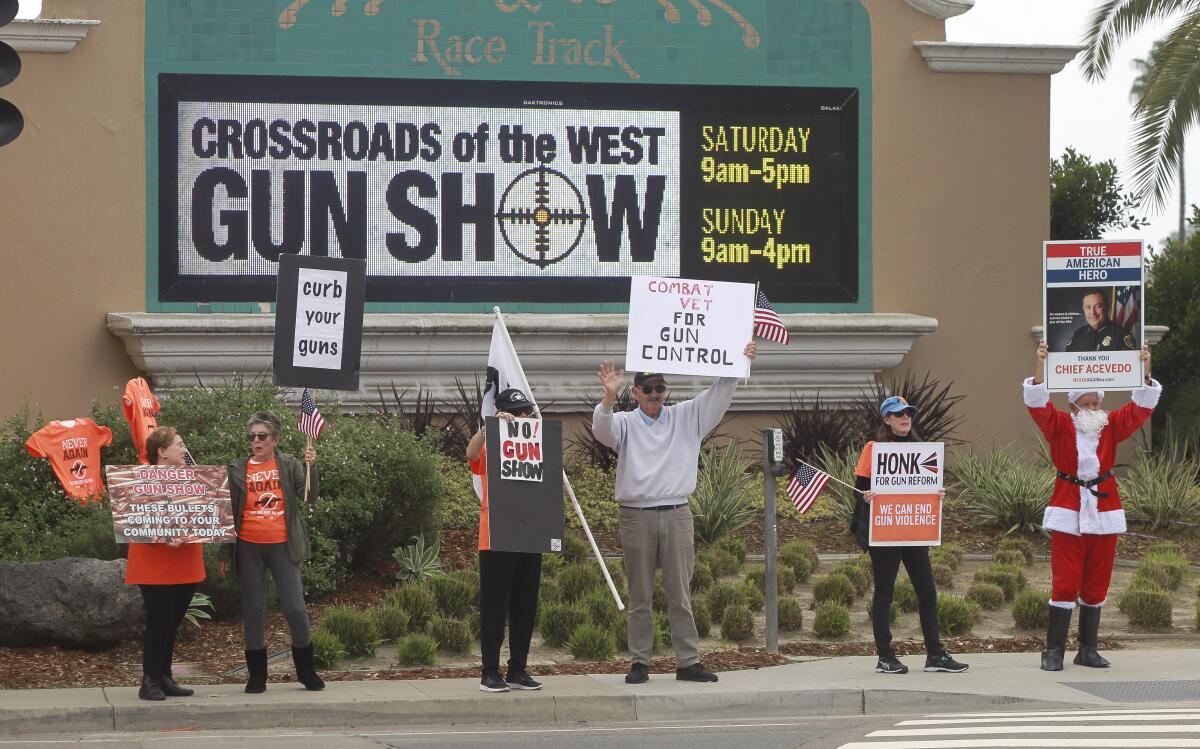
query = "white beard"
{"x": 1091, "y": 423}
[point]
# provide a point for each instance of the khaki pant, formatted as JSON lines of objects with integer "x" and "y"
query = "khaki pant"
{"x": 652, "y": 538}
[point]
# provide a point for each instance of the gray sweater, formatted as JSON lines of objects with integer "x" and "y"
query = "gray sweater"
{"x": 656, "y": 463}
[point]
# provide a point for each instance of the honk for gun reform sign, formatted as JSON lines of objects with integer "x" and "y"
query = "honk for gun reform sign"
{"x": 907, "y": 508}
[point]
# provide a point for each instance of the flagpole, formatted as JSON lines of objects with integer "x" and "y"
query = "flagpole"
{"x": 843, "y": 483}
{"x": 753, "y": 307}
{"x": 587, "y": 531}
{"x": 307, "y": 465}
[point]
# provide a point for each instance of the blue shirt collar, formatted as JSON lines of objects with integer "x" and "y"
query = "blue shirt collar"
{"x": 662, "y": 417}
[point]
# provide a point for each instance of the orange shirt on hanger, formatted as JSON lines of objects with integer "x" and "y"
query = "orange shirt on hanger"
{"x": 73, "y": 449}
{"x": 141, "y": 410}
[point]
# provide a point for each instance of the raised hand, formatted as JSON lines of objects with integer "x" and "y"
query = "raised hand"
{"x": 751, "y": 350}
{"x": 1039, "y": 369}
{"x": 611, "y": 378}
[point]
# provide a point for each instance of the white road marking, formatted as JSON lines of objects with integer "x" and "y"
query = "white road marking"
{"x": 981, "y": 730}
{"x": 1010, "y": 713}
{"x": 1059, "y": 718}
{"x": 1034, "y": 742}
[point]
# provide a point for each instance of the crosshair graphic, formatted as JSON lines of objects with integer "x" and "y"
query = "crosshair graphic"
{"x": 542, "y": 216}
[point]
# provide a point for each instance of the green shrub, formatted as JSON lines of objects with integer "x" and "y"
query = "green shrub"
{"x": 601, "y": 608}
{"x": 417, "y": 649}
{"x": 831, "y": 620}
{"x": 558, "y": 620}
{"x": 723, "y": 500}
{"x": 552, "y": 564}
{"x": 988, "y": 595}
{"x": 905, "y": 595}
{"x": 755, "y": 599}
{"x": 834, "y": 587}
{"x": 957, "y": 615}
{"x": 658, "y": 599}
{"x": 391, "y": 622}
{"x": 791, "y": 615}
{"x": 785, "y": 579}
{"x": 1009, "y": 556}
{"x": 1010, "y": 579}
{"x": 577, "y": 580}
{"x": 943, "y": 576}
{"x": 1146, "y": 607}
{"x": 721, "y": 562}
{"x": 453, "y": 597}
{"x": 1161, "y": 486}
{"x": 801, "y": 556}
{"x": 594, "y": 488}
{"x": 662, "y": 633}
{"x": 469, "y": 578}
{"x": 1001, "y": 485}
{"x": 592, "y": 642}
{"x": 549, "y": 592}
{"x": 416, "y": 600}
{"x": 327, "y": 648}
{"x": 1031, "y": 609}
{"x": 737, "y": 623}
{"x": 721, "y": 595}
{"x": 1023, "y": 545}
{"x": 735, "y": 546}
{"x": 451, "y": 635}
{"x": 355, "y": 629}
{"x": 620, "y": 633}
{"x": 576, "y": 549}
{"x": 853, "y": 571}
{"x": 702, "y": 576}
{"x": 701, "y": 615}
{"x": 949, "y": 554}
{"x": 893, "y": 610}
{"x": 1161, "y": 572}
{"x": 418, "y": 561}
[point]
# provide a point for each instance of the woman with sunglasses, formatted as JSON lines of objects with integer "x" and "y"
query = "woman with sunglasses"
{"x": 897, "y": 426}
{"x": 267, "y": 487}
{"x": 508, "y": 580}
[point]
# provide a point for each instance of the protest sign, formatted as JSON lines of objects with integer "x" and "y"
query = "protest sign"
{"x": 686, "y": 327}
{"x": 156, "y": 504}
{"x": 524, "y": 485}
{"x": 318, "y": 322}
{"x": 1093, "y": 314}
{"x": 906, "y": 478}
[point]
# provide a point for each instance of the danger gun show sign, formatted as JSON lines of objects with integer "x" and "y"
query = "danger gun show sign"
{"x": 906, "y": 478}
{"x": 157, "y": 504}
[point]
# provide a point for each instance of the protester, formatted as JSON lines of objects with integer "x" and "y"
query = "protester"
{"x": 658, "y": 448}
{"x": 266, "y": 488}
{"x": 509, "y": 581}
{"x": 897, "y": 414}
{"x": 167, "y": 575}
{"x": 1084, "y": 515}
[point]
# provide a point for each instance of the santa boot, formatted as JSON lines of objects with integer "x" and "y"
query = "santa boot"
{"x": 1056, "y": 639}
{"x": 1089, "y": 637}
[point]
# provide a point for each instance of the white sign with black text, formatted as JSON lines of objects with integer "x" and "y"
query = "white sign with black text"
{"x": 320, "y": 318}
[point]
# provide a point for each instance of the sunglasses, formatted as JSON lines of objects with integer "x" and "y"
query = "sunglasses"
{"x": 520, "y": 412}
{"x": 258, "y": 436}
{"x": 648, "y": 389}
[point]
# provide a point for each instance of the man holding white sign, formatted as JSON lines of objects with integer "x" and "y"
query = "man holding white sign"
{"x": 658, "y": 448}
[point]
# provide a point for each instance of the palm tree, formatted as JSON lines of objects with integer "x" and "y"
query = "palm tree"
{"x": 1170, "y": 103}
{"x": 1145, "y": 68}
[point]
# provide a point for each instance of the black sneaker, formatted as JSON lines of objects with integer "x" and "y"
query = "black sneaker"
{"x": 492, "y": 681}
{"x": 639, "y": 673}
{"x": 695, "y": 672}
{"x": 890, "y": 664}
{"x": 521, "y": 680}
{"x": 945, "y": 663}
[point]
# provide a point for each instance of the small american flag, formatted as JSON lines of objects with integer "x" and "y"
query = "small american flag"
{"x": 1125, "y": 307}
{"x": 311, "y": 420}
{"x": 767, "y": 323}
{"x": 188, "y": 460}
{"x": 806, "y": 483}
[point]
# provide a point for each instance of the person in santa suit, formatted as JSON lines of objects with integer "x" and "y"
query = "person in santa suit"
{"x": 1084, "y": 515}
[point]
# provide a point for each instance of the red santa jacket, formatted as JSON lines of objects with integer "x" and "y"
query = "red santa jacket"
{"x": 1074, "y": 509}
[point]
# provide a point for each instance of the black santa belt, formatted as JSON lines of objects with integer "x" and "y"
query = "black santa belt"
{"x": 1090, "y": 484}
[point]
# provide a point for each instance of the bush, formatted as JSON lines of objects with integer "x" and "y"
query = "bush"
{"x": 853, "y": 571}
{"x": 831, "y": 620}
{"x": 755, "y": 599}
{"x": 735, "y": 546}
{"x": 600, "y": 607}
{"x": 558, "y": 620}
{"x": 577, "y": 580}
{"x": 893, "y": 610}
{"x": 417, "y": 601}
{"x": 549, "y": 592}
{"x": 1161, "y": 485}
{"x": 469, "y": 578}
{"x": 594, "y": 488}
{"x": 576, "y": 549}
{"x": 1009, "y": 557}
{"x": 454, "y": 597}
{"x": 943, "y": 576}
{"x": 702, "y": 576}
{"x": 785, "y": 579}
{"x": 791, "y": 615}
{"x": 1022, "y": 545}
{"x": 662, "y": 633}
{"x": 552, "y": 564}
{"x": 620, "y": 633}
{"x": 1031, "y": 609}
{"x": 1001, "y": 486}
{"x": 834, "y": 587}
{"x": 1161, "y": 572}
{"x": 391, "y": 622}
{"x": 418, "y": 561}
{"x": 801, "y": 556}
{"x": 417, "y": 649}
{"x": 701, "y": 616}
{"x": 722, "y": 595}
{"x": 1146, "y": 607}
{"x": 722, "y": 502}
{"x": 658, "y": 599}
{"x": 988, "y": 595}
{"x": 737, "y": 623}
{"x": 840, "y": 465}
{"x": 355, "y": 629}
{"x": 957, "y": 615}
{"x": 451, "y": 635}
{"x": 722, "y": 562}
{"x": 327, "y": 648}
{"x": 1010, "y": 579}
{"x": 949, "y": 554}
{"x": 592, "y": 642}
{"x": 905, "y": 595}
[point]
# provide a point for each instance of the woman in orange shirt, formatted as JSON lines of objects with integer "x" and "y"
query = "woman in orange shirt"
{"x": 167, "y": 574}
{"x": 897, "y": 426}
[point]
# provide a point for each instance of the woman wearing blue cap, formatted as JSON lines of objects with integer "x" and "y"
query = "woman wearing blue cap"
{"x": 897, "y": 414}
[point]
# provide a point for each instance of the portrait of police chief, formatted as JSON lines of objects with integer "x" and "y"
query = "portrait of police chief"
{"x": 1085, "y": 319}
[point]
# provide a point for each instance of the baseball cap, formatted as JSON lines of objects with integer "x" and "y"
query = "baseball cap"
{"x": 641, "y": 377}
{"x": 896, "y": 404}
{"x": 512, "y": 400}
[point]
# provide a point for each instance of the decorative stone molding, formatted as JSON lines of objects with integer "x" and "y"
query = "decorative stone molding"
{"x": 835, "y": 355}
{"x": 58, "y": 35}
{"x": 942, "y": 9}
{"x": 1154, "y": 333}
{"x": 1025, "y": 59}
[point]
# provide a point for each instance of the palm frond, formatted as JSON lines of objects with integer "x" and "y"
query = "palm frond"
{"x": 1113, "y": 21}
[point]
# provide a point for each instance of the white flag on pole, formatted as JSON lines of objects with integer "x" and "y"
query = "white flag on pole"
{"x": 503, "y": 370}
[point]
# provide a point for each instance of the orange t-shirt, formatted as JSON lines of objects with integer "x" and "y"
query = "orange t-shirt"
{"x": 479, "y": 477}
{"x": 73, "y": 449}
{"x": 161, "y": 564}
{"x": 263, "y": 520}
{"x": 864, "y": 461}
{"x": 141, "y": 408}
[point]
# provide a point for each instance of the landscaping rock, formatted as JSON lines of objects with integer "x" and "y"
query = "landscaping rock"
{"x": 80, "y": 603}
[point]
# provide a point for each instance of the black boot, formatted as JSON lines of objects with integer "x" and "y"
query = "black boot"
{"x": 256, "y": 670}
{"x": 1056, "y": 639}
{"x": 150, "y": 690}
{"x": 303, "y": 658}
{"x": 1089, "y": 637}
{"x": 171, "y": 689}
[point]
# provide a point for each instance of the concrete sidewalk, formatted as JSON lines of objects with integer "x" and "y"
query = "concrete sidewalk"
{"x": 819, "y": 687}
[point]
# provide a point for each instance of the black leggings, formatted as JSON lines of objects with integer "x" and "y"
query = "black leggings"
{"x": 508, "y": 589}
{"x": 166, "y": 606}
{"x": 885, "y": 564}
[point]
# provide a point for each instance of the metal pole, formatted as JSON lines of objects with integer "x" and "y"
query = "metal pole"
{"x": 769, "y": 540}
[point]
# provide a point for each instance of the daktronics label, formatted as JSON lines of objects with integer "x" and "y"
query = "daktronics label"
{"x": 499, "y": 191}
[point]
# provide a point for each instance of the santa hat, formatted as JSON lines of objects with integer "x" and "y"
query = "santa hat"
{"x": 1075, "y": 395}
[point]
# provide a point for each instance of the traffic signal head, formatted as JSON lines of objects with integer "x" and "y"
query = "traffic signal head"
{"x": 11, "y": 120}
